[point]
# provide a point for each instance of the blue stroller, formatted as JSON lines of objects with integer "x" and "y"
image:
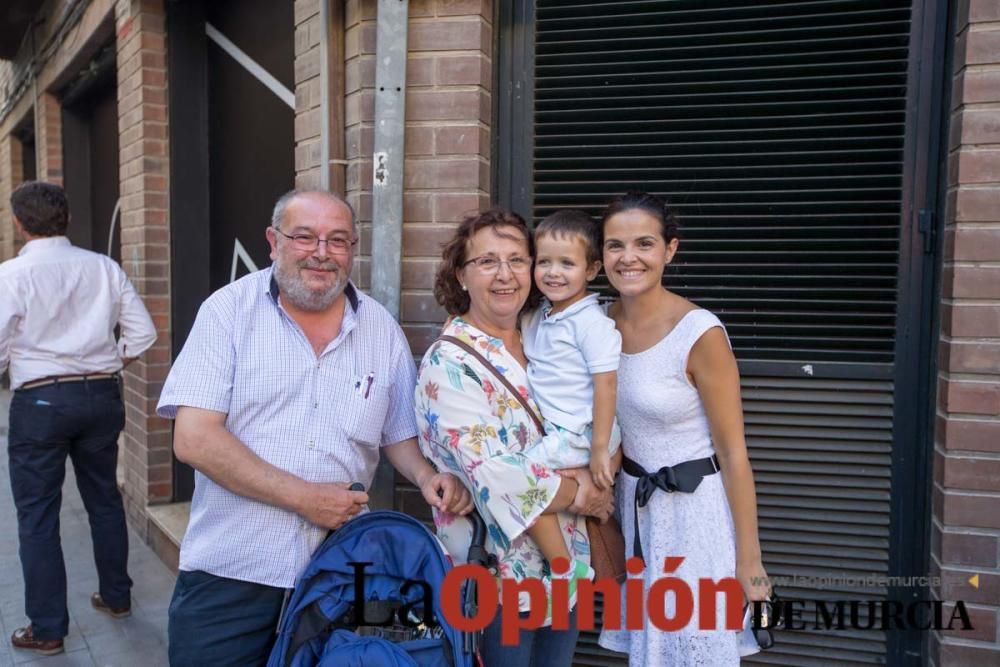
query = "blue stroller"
{"x": 377, "y": 553}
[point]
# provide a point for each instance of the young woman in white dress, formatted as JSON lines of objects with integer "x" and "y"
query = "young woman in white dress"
{"x": 678, "y": 401}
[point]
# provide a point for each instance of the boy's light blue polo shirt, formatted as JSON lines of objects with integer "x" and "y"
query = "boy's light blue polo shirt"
{"x": 564, "y": 349}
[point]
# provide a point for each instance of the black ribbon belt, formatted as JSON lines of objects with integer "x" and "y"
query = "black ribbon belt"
{"x": 684, "y": 477}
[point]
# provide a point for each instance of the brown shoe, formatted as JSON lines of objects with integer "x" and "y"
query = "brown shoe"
{"x": 97, "y": 602}
{"x": 25, "y": 638}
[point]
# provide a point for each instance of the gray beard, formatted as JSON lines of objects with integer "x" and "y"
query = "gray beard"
{"x": 295, "y": 291}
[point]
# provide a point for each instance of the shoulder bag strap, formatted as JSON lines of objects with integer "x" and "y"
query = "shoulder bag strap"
{"x": 504, "y": 381}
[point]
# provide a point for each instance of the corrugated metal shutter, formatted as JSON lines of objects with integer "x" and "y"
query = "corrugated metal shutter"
{"x": 776, "y": 131}
{"x": 820, "y": 450}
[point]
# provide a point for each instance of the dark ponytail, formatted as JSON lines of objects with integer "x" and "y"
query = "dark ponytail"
{"x": 647, "y": 203}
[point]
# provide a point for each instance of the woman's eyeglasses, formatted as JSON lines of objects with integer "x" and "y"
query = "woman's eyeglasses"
{"x": 489, "y": 264}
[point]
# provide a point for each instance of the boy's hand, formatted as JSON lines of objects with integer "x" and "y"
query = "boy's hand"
{"x": 601, "y": 469}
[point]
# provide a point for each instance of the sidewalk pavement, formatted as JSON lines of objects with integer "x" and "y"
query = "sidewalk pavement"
{"x": 94, "y": 639}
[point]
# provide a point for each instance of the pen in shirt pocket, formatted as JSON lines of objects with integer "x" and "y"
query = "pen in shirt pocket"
{"x": 364, "y": 386}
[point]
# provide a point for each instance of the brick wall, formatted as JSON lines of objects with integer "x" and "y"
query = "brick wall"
{"x": 307, "y": 92}
{"x": 966, "y": 523}
{"x": 359, "y": 115}
{"x": 11, "y": 172}
{"x": 448, "y": 109}
{"x": 10, "y": 164}
{"x": 15, "y": 83}
{"x": 8, "y": 72}
{"x": 447, "y": 150}
{"x": 139, "y": 26}
{"x": 59, "y": 60}
{"x": 447, "y": 169}
{"x": 48, "y": 139}
{"x": 11, "y": 175}
{"x": 145, "y": 238}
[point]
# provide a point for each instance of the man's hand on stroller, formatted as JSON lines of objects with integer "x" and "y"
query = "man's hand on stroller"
{"x": 331, "y": 505}
{"x": 445, "y": 492}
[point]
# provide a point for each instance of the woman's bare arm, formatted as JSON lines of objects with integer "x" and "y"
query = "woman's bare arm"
{"x": 714, "y": 372}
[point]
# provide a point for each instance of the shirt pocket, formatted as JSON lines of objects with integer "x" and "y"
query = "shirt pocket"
{"x": 365, "y": 412}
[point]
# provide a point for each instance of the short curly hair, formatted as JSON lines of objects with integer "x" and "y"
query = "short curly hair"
{"x": 41, "y": 208}
{"x": 447, "y": 290}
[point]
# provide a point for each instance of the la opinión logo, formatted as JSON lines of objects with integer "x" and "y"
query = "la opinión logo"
{"x": 505, "y": 594}
{"x": 640, "y": 605}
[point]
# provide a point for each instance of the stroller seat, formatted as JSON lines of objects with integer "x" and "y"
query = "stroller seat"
{"x": 398, "y": 566}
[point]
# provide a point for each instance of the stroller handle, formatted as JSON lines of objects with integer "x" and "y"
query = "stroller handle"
{"x": 478, "y": 528}
{"x": 477, "y": 548}
{"x": 477, "y": 554}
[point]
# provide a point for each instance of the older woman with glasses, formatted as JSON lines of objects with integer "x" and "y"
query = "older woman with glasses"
{"x": 473, "y": 415}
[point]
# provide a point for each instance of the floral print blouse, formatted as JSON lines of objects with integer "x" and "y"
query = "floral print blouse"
{"x": 471, "y": 426}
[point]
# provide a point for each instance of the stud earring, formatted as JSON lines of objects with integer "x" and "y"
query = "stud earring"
{"x": 464, "y": 288}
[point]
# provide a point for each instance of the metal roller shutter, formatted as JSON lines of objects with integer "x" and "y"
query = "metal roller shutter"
{"x": 821, "y": 453}
{"x": 776, "y": 130}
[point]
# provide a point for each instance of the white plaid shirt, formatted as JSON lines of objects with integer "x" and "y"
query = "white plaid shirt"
{"x": 322, "y": 419}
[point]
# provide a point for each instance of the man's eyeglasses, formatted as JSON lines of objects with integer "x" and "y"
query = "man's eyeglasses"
{"x": 309, "y": 242}
{"x": 489, "y": 264}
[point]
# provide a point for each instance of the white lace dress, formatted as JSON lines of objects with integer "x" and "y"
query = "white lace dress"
{"x": 663, "y": 423}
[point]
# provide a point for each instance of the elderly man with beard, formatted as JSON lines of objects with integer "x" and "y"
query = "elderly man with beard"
{"x": 289, "y": 385}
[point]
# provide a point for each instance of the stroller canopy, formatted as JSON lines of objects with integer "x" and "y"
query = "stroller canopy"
{"x": 399, "y": 549}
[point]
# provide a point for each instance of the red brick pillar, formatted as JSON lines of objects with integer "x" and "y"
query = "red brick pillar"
{"x": 448, "y": 112}
{"x": 48, "y": 142}
{"x": 447, "y": 172}
{"x": 967, "y": 451}
{"x": 447, "y": 151}
{"x": 308, "y": 94}
{"x": 145, "y": 235}
{"x": 11, "y": 175}
{"x": 359, "y": 118}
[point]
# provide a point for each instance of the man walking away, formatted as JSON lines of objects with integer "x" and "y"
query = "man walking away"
{"x": 59, "y": 306}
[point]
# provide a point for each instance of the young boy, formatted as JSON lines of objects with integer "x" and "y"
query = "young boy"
{"x": 573, "y": 351}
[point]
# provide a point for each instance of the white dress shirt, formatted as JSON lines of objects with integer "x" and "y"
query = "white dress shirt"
{"x": 59, "y": 305}
{"x": 322, "y": 418}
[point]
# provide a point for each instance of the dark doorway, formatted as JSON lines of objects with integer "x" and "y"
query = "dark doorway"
{"x": 90, "y": 156}
{"x": 251, "y": 130}
{"x": 25, "y": 134}
{"x": 232, "y": 148}
{"x": 28, "y": 158}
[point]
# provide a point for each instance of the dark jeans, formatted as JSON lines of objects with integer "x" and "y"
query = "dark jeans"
{"x": 81, "y": 420}
{"x": 543, "y": 647}
{"x": 218, "y": 621}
